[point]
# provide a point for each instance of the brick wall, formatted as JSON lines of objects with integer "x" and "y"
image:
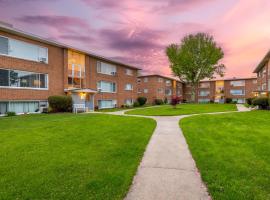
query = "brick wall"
{"x": 54, "y": 69}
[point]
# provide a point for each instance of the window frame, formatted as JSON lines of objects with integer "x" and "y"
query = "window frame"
{"x": 107, "y": 91}
{"x": 28, "y": 43}
{"x": 26, "y": 88}
{"x": 100, "y": 72}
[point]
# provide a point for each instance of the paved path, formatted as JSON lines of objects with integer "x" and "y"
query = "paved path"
{"x": 167, "y": 170}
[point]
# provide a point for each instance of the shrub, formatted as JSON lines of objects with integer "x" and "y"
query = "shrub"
{"x": 142, "y": 100}
{"x": 165, "y": 100}
{"x": 60, "y": 103}
{"x": 10, "y": 114}
{"x": 262, "y": 102}
{"x": 136, "y": 104}
{"x": 175, "y": 101}
{"x": 228, "y": 100}
{"x": 249, "y": 101}
{"x": 158, "y": 102}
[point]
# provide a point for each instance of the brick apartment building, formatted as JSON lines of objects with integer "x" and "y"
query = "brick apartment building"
{"x": 159, "y": 87}
{"x": 33, "y": 68}
{"x": 238, "y": 89}
{"x": 263, "y": 76}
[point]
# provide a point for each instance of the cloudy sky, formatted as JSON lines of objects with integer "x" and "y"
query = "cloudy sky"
{"x": 137, "y": 31}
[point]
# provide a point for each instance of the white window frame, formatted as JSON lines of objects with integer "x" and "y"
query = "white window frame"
{"x": 127, "y": 89}
{"x": 27, "y": 43}
{"x": 160, "y": 80}
{"x": 26, "y": 88}
{"x": 235, "y": 83}
{"x": 104, "y": 91}
{"x": 145, "y": 79}
{"x": 170, "y": 93}
{"x": 145, "y": 91}
{"x": 129, "y": 72}
{"x": 114, "y": 102}
{"x": 111, "y": 73}
{"x": 207, "y": 93}
{"x": 131, "y": 102}
{"x": 243, "y": 92}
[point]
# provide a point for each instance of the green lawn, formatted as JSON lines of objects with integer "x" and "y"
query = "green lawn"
{"x": 232, "y": 152}
{"x": 183, "y": 109}
{"x": 66, "y": 156}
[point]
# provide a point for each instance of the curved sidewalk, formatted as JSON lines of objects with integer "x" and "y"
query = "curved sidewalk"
{"x": 167, "y": 170}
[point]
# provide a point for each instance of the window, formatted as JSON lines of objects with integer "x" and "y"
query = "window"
{"x": 237, "y": 83}
{"x": 23, "y": 50}
{"x": 129, "y": 86}
{"x": 23, "y": 79}
{"x": 168, "y": 91}
{"x": 106, "y": 68}
{"x": 239, "y": 100}
{"x": 204, "y": 85}
{"x": 203, "y": 100}
{"x": 145, "y": 90}
{"x": 204, "y": 93}
{"x": 160, "y": 90}
{"x": 139, "y": 90}
{"x": 160, "y": 80}
{"x": 129, "y": 72}
{"x": 129, "y": 102}
{"x": 178, "y": 92}
{"x": 19, "y": 107}
{"x": 139, "y": 80}
{"x": 264, "y": 86}
{"x": 168, "y": 82}
{"x": 145, "y": 80}
{"x": 107, "y": 104}
{"x": 237, "y": 92}
{"x": 104, "y": 86}
{"x": 3, "y": 107}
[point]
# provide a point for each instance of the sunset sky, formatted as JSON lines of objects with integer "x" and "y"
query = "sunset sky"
{"x": 137, "y": 31}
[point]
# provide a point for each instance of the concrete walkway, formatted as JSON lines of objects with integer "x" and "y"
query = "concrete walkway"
{"x": 167, "y": 170}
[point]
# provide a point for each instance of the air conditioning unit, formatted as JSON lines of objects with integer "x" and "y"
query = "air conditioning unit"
{"x": 113, "y": 73}
{"x": 42, "y": 60}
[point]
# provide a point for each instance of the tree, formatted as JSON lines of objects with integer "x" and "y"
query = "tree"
{"x": 195, "y": 58}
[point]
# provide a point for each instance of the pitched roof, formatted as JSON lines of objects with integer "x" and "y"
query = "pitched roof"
{"x": 263, "y": 62}
{"x": 10, "y": 29}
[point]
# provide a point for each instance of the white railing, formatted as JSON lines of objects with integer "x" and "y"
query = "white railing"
{"x": 79, "y": 107}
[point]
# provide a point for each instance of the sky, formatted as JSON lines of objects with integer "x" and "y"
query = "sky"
{"x": 137, "y": 32}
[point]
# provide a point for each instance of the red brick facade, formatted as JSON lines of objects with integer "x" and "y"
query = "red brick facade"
{"x": 159, "y": 87}
{"x": 57, "y": 70}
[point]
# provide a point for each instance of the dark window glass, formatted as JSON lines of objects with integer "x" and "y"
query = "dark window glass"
{"x": 3, "y": 107}
{"x": 4, "y": 77}
{"x": 3, "y": 45}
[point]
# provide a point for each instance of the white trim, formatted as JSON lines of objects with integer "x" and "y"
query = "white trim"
{"x": 27, "y": 88}
{"x": 29, "y": 44}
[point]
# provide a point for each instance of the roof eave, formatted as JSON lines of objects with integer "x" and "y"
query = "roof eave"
{"x": 61, "y": 45}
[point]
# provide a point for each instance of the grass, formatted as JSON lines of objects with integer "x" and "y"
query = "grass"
{"x": 232, "y": 153}
{"x": 119, "y": 109}
{"x": 66, "y": 156}
{"x": 183, "y": 109}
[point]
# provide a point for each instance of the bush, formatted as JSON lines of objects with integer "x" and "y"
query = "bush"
{"x": 136, "y": 104}
{"x": 228, "y": 100}
{"x": 249, "y": 101}
{"x": 10, "y": 114}
{"x": 142, "y": 100}
{"x": 262, "y": 102}
{"x": 175, "y": 101}
{"x": 165, "y": 100}
{"x": 60, "y": 103}
{"x": 158, "y": 102}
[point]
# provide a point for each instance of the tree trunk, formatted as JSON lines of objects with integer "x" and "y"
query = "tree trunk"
{"x": 193, "y": 93}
